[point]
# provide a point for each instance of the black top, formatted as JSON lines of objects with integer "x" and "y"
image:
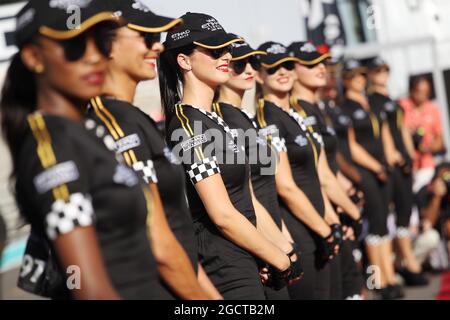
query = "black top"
{"x": 142, "y": 145}
{"x": 316, "y": 122}
{"x": 303, "y": 149}
{"x": 263, "y": 159}
{"x": 206, "y": 146}
{"x": 340, "y": 122}
{"x": 395, "y": 115}
{"x": 67, "y": 179}
{"x": 367, "y": 125}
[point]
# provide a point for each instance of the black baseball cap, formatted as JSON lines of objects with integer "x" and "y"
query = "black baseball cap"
{"x": 306, "y": 53}
{"x": 244, "y": 50}
{"x": 377, "y": 63}
{"x": 276, "y": 54}
{"x": 50, "y": 18}
{"x": 139, "y": 17}
{"x": 199, "y": 29}
{"x": 353, "y": 67}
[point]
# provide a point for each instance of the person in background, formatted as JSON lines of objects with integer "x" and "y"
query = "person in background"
{"x": 311, "y": 75}
{"x": 423, "y": 119}
{"x": 367, "y": 140}
{"x": 244, "y": 65}
{"x": 400, "y": 163}
{"x": 309, "y": 216}
{"x": 433, "y": 201}
{"x": 329, "y": 104}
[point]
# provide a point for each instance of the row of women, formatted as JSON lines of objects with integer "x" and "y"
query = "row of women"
{"x": 224, "y": 205}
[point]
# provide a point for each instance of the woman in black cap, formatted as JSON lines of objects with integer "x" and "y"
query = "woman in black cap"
{"x": 310, "y": 74}
{"x": 135, "y": 49}
{"x": 68, "y": 184}
{"x": 197, "y": 56}
{"x": 302, "y": 202}
{"x": 400, "y": 162}
{"x": 263, "y": 159}
{"x": 367, "y": 151}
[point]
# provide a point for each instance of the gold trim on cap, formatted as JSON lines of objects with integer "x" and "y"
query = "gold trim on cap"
{"x": 268, "y": 66}
{"x": 315, "y": 61}
{"x": 253, "y": 53}
{"x": 164, "y": 28}
{"x": 219, "y": 46}
{"x": 69, "y": 34}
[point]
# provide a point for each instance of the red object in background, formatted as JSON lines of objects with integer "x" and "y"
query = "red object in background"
{"x": 323, "y": 48}
{"x": 444, "y": 294}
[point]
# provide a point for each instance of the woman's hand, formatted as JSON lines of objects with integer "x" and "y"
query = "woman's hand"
{"x": 349, "y": 234}
{"x": 264, "y": 275}
{"x": 382, "y": 174}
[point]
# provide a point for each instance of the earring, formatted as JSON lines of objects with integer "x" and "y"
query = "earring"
{"x": 39, "y": 69}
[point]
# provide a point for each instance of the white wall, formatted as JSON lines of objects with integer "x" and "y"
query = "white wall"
{"x": 255, "y": 20}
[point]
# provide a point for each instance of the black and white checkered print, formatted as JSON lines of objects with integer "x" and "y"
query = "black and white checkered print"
{"x": 202, "y": 170}
{"x": 66, "y": 216}
{"x": 250, "y": 117}
{"x": 146, "y": 170}
{"x": 279, "y": 144}
{"x": 214, "y": 117}
{"x": 301, "y": 122}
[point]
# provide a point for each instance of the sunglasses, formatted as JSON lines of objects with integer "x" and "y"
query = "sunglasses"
{"x": 151, "y": 38}
{"x": 382, "y": 69}
{"x": 325, "y": 62}
{"x": 75, "y": 49}
{"x": 218, "y": 53}
{"x": 288, "y": 65}
{"x": 240, "y": 65}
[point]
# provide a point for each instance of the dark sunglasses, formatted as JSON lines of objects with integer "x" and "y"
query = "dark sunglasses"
{"x": 288, "y": 65}
{"x": 103, "y": 35}
{"x": 382, "y": 69}
{"x": 151, "y": 38}
{"x": 240, "y": 65}
{"x": 218, "y": 53}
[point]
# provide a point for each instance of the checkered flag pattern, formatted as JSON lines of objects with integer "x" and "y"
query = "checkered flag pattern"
{"x": 301, "y": 122}
{"x": 279, "y": 144}
{"x": 146, "y": 170}
{"x": 202, "y": 170}
{"x": 66, "y": 216}
{"x": 214, "y": 117}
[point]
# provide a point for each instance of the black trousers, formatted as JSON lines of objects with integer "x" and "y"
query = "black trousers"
{"x": 315, "y": 284}
{"x": 376, "y": 206}
{"x": 401, "y": 194}
{"x": 336, "y": 278}
{"x": 352, "y": 278}
{"x": 232, "y": 270}
{"x": 272, "y": 294}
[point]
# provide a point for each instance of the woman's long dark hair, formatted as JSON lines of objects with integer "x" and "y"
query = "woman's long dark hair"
{"x": 170, "y": 78}
{"x": 18, "y": 100}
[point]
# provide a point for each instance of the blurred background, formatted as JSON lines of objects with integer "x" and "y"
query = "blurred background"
{"x": 413, "y": 36}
